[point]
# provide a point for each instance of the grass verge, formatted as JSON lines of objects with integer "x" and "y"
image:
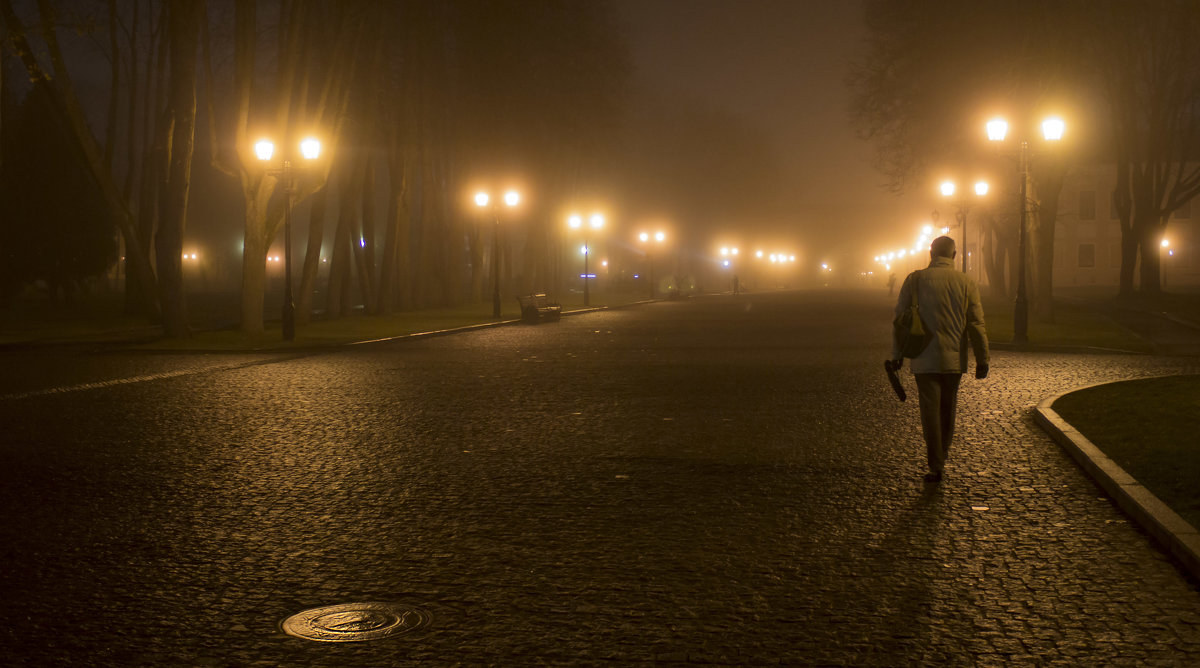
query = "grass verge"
{"x": 1074, "y": 325}
{"x": 1148, "y": 427}
{"x": 340, "y": 331}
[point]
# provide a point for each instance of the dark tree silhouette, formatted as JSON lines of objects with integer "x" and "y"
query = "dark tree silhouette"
{"x": 64, "y": 103}
{"x": 1127, "y": 70}
{"x": 932, "y": 73}
{"x": 54, "y": 228}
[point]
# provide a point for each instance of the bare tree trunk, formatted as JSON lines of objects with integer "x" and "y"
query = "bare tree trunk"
{"x": 1129, "y": 263}
{"x": 475, "y": 243}
{"x": 132, "y": 143}
{"x": 254, "y": 257}
{"x": 338, "y": 272}
{"x": 390, "y": 264}
{"x": 65, "y": 103}
{"x": 1149, "y": 240}
{"x": 994, "y": 253}
{"x": 364, "y": 249}
{"x": 404, "y": 270}
{"x": 1049, "y": 190}
{"x": 422, "y": 290}
{"x": 148, "y": 146}
{"x": 1122, "y": 197}
{"x": 452, "y": 238}
{"x": 340, "y": 286}
{"x": 312, "y": 256}
{"x": 184, "y": 39}
{"x": 114, "y": 93}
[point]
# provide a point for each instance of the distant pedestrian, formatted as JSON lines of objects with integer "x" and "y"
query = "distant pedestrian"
{"x": 950, "y": 310}
{"x": 736, "y": 286}
{"x": 891, "y": 283}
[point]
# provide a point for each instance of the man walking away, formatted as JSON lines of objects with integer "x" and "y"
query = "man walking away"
{"x": 950, "y": 310}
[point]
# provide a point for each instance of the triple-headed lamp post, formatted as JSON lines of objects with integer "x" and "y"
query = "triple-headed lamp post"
{"x": 1052, "y": 130}
{"x": 310, "y": 149}
{"x": 575, "y": 222}
{"x": 484, "y": 200}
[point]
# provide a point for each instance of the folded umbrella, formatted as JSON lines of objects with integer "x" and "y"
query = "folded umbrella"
{"x": 893, "y": 375}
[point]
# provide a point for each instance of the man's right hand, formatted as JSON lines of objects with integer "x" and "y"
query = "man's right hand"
{"x": 981, "y": 371}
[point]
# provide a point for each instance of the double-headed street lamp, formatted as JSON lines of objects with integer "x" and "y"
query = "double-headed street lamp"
{"x": 659, "y": 237}
{"x": 484, "y": 200}
{"x": 595, "y": 222}
{"x": 310, "y": 149}
{"x": 1052, "y": 130}
{"x": 961, "y": 206}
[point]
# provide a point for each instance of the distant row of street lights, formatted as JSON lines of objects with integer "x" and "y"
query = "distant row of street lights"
{"x": 1053, "y": 129}
{"x": 588, "y": 226}
{"x": 309, "y": 149}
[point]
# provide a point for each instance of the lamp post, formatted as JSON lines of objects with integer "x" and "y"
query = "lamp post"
{"x": 1165, "y": 246}
{"x": 484, "y": 200}
{"x": 310, "y": 149}
{"x": 645, "y": 238}
{"x": 726, "y": 251}
{"x": 997, "y": 129}
{"x": 961, "y": 207}
{"x": 575, "y": 222}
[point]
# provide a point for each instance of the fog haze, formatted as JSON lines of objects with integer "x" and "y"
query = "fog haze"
{"x": 781, "y": 65}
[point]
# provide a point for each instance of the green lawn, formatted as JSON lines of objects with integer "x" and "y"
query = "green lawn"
{"x": 1149, "y": 428}
{"x": 1073, "y": 325}
{"x": 360, "y": 327}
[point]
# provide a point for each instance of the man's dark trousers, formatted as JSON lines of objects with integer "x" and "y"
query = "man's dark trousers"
{"x": 938, "y": 393}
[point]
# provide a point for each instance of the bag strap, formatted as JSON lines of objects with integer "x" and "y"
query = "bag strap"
{"x": 916, "y": 286}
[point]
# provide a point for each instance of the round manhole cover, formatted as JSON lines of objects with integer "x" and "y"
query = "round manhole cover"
{"x": 354, "y": 622}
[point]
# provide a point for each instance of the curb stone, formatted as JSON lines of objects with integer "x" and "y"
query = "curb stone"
{"x": 484, "y": 325}
{"x": 1179, "y": 537}
{"x": 331, "y": 347}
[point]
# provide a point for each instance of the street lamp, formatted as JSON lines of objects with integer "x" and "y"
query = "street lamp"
{"x": 575, "y": 222}
{"x": 1165, "y": 245}
{"x": 645, "y": 238}
{"x": 484, "y": 201}
{"x": 726, "y": 253}
{"x": 1052, "y": 130}
{"x": 961, "y": 206}
{"x": 310, "y": 149}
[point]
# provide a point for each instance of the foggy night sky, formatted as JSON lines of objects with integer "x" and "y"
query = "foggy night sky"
{"x": 782, "y": 64}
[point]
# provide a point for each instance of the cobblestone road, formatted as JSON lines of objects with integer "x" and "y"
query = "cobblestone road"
{"x": 722, "y": 481}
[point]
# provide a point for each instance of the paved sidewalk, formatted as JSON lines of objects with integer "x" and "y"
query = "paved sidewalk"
{"x": 1174, "y": 533}
{"x": 720, "y": 481}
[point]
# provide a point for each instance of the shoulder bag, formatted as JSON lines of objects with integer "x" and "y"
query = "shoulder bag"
{"x": 908, "y": 329}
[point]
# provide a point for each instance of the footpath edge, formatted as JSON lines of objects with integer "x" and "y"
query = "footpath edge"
{"x": 1180, "y": 538}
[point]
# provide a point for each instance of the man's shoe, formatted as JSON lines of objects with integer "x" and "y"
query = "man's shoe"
{"x": 933, "y": 477}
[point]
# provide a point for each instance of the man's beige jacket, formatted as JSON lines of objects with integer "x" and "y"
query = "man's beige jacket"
{"x": 948, "y": 301}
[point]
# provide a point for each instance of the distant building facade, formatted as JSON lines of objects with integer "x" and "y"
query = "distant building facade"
{"x": 1087, "y": 235}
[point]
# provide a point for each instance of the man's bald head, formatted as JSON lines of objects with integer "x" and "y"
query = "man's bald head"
{"x": 942, "y": 247}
